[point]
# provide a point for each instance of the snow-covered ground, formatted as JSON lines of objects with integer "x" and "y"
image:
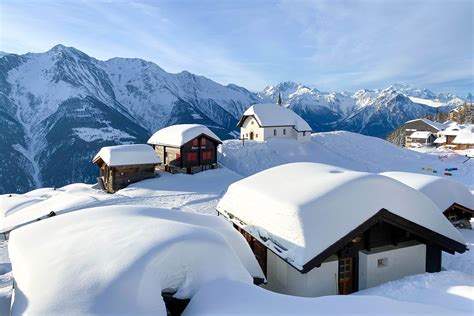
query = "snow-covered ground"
{"x": 451, "y": 290}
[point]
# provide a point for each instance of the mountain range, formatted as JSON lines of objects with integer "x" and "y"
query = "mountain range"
{"x": 59, "y": 107}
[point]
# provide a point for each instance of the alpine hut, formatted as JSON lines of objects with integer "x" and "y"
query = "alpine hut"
{"x": 452, "y": 197}
{"x": 261, "y": 122}
{"x": 125, "y": 164}
{"x": 186, "y": 148}
{"x": 337, "y": 231}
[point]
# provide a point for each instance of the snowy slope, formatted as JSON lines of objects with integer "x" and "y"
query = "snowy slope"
{"x": 343, "y": 149}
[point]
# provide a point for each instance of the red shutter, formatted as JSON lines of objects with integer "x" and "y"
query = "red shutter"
{"x": 195, "y": 142}
{"x": 192, "y": 156}
{"x": 203, "y": 141}
{"x": 178, "y": 156}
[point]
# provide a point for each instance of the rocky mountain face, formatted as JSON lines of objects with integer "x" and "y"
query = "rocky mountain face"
{"x": 58, "y": 108}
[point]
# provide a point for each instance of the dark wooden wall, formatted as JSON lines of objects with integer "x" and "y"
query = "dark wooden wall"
{"x": 116, "y": 178}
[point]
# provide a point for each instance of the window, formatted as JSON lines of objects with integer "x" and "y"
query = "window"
{"x": 192, "y": 156}
{"x": 304, "y": 133}
{"x": 247, "y": 135}
{"x": 178, "y": 156}
{"x": 382, "y": 262}
{"x": 284, "y": 131}
{"x": 251, "y": 122}
{"x": 195, "y": 142}
{"x": 274, "y": 132}
{"x": 207, "y": 155}
{"x": 256, "y": 135}
{"x": 203, "y": 141}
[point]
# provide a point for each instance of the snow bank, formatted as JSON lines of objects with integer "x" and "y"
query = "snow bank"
{"x": 178, "y": 135}
{"x": 463, "y": 262}
{"x": 223, "y": 297}
{"x": 118, "y": 260}
{"x": 287, "y": 204}
{"x": 442, "y": 191}
{"x": 275, "y": 115}
{"x": 123, "y": 155}
{"x": 446, "y": 289}
{"x": 343, "y": 149}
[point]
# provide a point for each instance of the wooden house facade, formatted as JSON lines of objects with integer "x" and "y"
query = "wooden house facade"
{"x": 125, "y": 164}
{"x": 420, "y": 125}
{"x": 186, "y": 148}
{"x": 344, "y": 246}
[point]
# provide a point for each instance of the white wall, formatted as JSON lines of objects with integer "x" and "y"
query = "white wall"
{"x": 251, "y": 125}
{"x": 283, "y": 278}
{"x": 406, "y": 259}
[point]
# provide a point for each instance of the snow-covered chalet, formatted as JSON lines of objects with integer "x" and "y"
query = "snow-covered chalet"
{"x": 261, "y": 122}
{"x": 186, "y": 148}
{"x": 337, "y": 231}
{"x": 125, "y": 164}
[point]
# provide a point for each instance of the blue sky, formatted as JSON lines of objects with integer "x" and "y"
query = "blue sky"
{"x": 330, "y": 45}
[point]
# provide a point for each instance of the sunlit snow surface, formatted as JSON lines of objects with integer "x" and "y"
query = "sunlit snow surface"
{"x": 433, "y": 293}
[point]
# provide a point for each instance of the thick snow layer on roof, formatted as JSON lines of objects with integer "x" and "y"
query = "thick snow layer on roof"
{"x": 442, "y": 191}
{"x": 275, "y": 115}
{"x": 178, "y": 135}
{"x": 307, "y": 207}
{"x": 123, "y": 155}
{"x": 465, "y": 136}
{"x": 224, "y": 297}
{"x": 437, "y": 125}
{"x": 118, "y": 260}
{"x": 422, "y": 135}
{"x": 440, "y": 140}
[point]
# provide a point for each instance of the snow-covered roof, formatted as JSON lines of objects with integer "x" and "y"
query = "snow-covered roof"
{"x": 440, "y": 140}
{"x": 118, "y": 259}
{"x": 422, "y": 135}
{"x": 437, "y": 125}
{"x": 442, "y": 191}
{"x": 125, "y": 155}
{"x": 465, "y": 136}
{"x": 178, "y": 135}
{"x": 452, "y": 130}
{"x": 274, "y": 115}
{"x": 303, "y": 208}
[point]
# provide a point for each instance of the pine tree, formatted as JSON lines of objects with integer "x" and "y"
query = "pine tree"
{"x": 279, "y": 99}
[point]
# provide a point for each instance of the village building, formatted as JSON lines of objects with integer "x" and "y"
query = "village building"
{"x": 262, "y": 122}
{"x": 449, "y": 134}
{"x": 419, "y": 139}
{"x": 336, "y": 231}
{"x": 465, "y": 138}
{"x": 453, "y": 198}
{"x": 186, "y": 148}
{"x": 420, "y": 125}
{"x": 125, "y": 164}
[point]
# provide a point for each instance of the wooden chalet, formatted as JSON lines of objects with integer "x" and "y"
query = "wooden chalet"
{"x": 310, "y": 241}
{"x": 186, "y": 148}
{"x": 125, "y": 164}
{"x": 417, "y": 139}
{"x": 420, "y": 125}
{"x": 453, "y": 198}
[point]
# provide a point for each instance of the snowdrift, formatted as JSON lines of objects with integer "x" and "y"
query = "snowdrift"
{"x": 119, "y": 259}
{"x": 342, "y": 149}
{"x": 224, "y": 297}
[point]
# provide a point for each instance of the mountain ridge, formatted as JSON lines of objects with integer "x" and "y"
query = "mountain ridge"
{"x": 59, "y": 107}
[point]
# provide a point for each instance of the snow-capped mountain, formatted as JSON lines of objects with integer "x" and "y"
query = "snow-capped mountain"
{"x": 58, "y": 108}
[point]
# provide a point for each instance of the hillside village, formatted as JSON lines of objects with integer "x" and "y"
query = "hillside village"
{"x": 296, "y": 213}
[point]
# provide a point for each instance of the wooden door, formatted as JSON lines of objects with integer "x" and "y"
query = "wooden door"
{"x": 346, "y": 275}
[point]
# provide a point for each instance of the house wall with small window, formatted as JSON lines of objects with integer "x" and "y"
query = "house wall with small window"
{"x": 252, "y": 130}
{"x": 283, "y": 278}
{"x": 390, "y": 263}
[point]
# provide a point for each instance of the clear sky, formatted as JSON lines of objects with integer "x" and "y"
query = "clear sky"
{"x": 326, "y": 44}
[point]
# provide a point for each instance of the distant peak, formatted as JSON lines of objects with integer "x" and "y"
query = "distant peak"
{"x": 60, "y": 48}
